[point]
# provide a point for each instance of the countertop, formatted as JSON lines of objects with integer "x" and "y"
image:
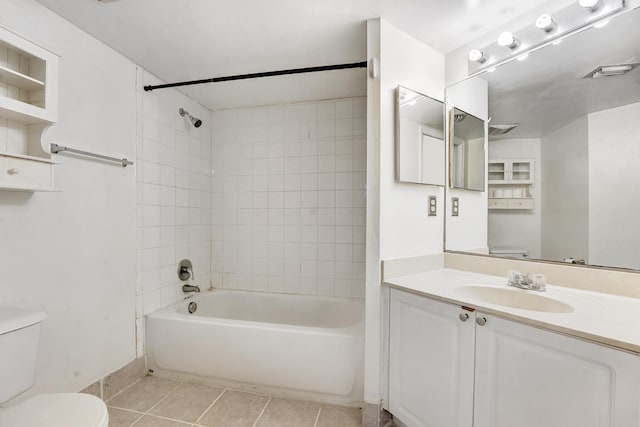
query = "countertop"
{"x": 606, "y": 319}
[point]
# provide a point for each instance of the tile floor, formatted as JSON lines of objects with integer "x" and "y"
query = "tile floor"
{"x": 155, "y": 402}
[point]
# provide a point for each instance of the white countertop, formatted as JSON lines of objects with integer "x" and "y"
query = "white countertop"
{"x": 607, "y": 319}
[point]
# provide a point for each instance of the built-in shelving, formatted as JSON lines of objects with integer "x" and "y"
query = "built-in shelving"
{"x": 510, "y": 183}
{"x": 28, "y": 102}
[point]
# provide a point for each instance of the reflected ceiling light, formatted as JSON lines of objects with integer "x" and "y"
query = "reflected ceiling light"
{"x": 522, "y": 57}
{"x": 601, "y": 24}
{"x": 491, "y": 70}
{"x": 477, "y": 56}
{"x": 546, "y": 23}
{"x": 507, "y": 39}
{"x": 592, "y": 5}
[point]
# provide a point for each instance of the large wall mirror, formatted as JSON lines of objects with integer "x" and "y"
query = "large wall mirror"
{"x": 564, "y": 150}
{"x": 466, "y": 151}
{"x": 420, "y": 147}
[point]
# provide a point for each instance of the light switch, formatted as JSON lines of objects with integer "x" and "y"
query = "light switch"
{"x": 433, "y": 207}
{"x": 455, "y": 206}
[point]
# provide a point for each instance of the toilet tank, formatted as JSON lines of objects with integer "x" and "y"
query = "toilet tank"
{"x": 19, "y": 334}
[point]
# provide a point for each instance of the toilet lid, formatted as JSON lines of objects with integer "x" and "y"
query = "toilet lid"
{"x": 57, "y": 410}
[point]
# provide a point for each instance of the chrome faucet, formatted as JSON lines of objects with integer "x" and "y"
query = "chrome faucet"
{"x": 190, "y": 288}
{"x": 529, "y": 281}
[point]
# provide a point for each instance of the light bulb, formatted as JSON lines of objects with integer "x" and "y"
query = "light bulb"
{"x": 590, "y": 4}
{"x": 546, "y": 23}
{"x": 477, "y": 56}
{"x": 507, "y": 39}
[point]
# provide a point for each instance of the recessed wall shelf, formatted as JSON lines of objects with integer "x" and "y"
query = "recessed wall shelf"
{"x": 28, "y": 103}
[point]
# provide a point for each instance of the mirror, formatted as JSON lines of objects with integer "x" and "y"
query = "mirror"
{"x": 564, "y": 150}
{"x": 466, "y": 151}
{"x": 420, "y": 148}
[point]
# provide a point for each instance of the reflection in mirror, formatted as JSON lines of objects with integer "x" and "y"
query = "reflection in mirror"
{"x": 466, "y": 151}
{"x": 564, "y": 184}
{"x": 420, "y": 148}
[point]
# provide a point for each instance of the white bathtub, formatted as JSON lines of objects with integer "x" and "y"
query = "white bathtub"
{"x": 286, "y": 345}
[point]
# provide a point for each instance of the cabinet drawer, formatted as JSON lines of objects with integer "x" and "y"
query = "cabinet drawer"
{"x": 498, "y": 204}
{"x": 20, "y": 173}
{"x": 521, "y": 204}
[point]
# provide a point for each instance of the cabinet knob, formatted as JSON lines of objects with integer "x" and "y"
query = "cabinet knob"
{"x": 463, "y": 317}
{"x": 481, "y": 321}
{"x": 12, "y": 171}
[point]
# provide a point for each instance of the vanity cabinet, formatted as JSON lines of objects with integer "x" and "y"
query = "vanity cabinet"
{"x": 28, "y": 105}
{"x": 431, "y": 357}
{"x": 485, "y": 371}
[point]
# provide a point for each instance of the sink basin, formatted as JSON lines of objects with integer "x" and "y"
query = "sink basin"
{"x": 514, "y": 298}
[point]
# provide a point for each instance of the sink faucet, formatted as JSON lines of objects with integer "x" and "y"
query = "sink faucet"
{"x": 190, "y": 288}
{"x": 529, "y": 281}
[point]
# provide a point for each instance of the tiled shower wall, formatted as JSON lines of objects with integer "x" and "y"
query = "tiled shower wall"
{"x": 173, "y": 181}
{"x": 289, "y": 198}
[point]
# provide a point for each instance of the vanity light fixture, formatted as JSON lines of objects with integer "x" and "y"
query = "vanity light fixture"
{"x": 592, "y": 5}
{"x": 477, "y": 55}
{"x": 507, "y": 39}
{"x": 546, "y": 23}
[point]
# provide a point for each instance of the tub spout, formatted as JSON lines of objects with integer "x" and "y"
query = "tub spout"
{"x": 190, "y": 288}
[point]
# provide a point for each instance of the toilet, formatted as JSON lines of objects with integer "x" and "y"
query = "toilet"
{"x": 19, "y": 335}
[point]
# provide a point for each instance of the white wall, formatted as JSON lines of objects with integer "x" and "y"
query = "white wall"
{"x": 468, "y": 230}
{"x": 565, "y": 192}
{"x": 614, "y": 186}
{"x": 402, "y": 227}
{"x": 289, "y": 198}
{"x": 513, "y": 228}
{"x": 173, "y": 197}
{"x": 72, "y": 253}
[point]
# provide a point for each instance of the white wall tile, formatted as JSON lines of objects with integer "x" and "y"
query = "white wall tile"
{"x": 174, "y": 167}
{"x": 287, "y": 207}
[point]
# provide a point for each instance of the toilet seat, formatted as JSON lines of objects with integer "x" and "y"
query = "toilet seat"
{"x": 57, "y": 410}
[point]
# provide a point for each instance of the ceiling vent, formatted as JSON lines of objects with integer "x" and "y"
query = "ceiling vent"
{"x": 611, "y": 70}
{"x": 497, "y": 130}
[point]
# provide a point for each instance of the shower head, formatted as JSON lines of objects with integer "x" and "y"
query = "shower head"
{"x": 194, "y": 120}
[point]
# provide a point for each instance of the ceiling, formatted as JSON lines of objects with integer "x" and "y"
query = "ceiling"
{"x": 194, "y": 39}
{"x": 547, "y": 91}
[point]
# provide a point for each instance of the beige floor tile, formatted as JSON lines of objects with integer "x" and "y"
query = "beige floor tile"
{"x": 234, "y": 409}
{"x": 150, "y": 421}
{"x": 144, "y": 394}
{"x": 187, "y": 402}
{"x": 121, "y": 418}
{"x": 289, "y": 413}
{"x": 123, "y": 378}
{"x": 339, "y": 416}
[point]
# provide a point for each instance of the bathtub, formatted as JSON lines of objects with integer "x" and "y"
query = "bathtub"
{"x": 285, "y": 345}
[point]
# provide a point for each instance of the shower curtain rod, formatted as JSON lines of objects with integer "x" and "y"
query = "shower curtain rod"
{"x": 362, "y": 64}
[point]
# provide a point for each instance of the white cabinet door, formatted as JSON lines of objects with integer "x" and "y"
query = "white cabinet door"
{"x": 527, "y": 377}
{"x": 430, "y": 362}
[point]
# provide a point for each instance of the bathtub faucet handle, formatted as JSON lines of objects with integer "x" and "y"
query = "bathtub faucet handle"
{"x": 185, "y": 270}
{"x": 186, "y": 273}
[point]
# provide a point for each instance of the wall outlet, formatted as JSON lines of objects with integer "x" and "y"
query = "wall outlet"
{"x": 455, "y": 206}
{"x": 432, "y": 208}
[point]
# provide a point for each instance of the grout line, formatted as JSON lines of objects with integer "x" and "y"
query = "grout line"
{"x": 255, "y": 423}
{"x": 317, "y": 417}
{"x": 124, "y": 389}
{"x": 210, "y": 406}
